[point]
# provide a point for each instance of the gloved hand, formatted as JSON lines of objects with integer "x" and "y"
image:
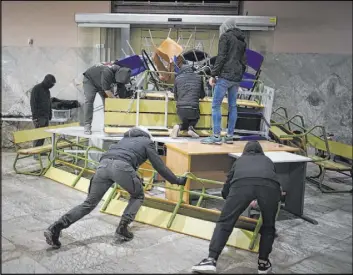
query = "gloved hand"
{"x": 182, "y": 180}
{"x": 212, "y": 81}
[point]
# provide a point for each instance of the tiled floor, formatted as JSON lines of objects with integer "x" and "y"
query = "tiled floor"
{"x": 30, "y": 204}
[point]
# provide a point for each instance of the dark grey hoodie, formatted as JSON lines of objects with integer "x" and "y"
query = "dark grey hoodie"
{"x": 253, "y": 164}
{"x": 135, "y": 148}
{"x": 40, "y": 98}
{"x": 102, "y": 77}
{"x": 188, "y": 88}
{"x": 231, "y": 59}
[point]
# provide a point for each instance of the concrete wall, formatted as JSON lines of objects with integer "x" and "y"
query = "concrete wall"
{"x": 49, "y": 23}
{"x": 308, "y": 59}
{"x": 59, "y": 48}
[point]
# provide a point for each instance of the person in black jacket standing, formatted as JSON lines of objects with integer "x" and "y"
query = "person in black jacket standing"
{"x": 229, "y": 67}
{"x": 100, "y": 79}
{"x": 119, "y": 164}
{"x": 252, "y": 176}
{"x": 188, "y": 89}
{"x": 41, "y": 104}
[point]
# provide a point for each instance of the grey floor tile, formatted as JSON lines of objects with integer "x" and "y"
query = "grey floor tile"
{"x": 33, "y": 241}
{"x": 339, "y": 216}
{"x": 86, "y": 229}
{"x": 23, "y": 265}
{"x": 327, "y": 228}
{"x": 347, "y": 208}
{"x": 10, "y": 210}
{"x": 327, "y": 261}
{"x": 6, "y": 245}
{"x": 111, "y": 268}
{"x": 172, "y": 256}
{"x": 307, "y": 242}
{"x": 11, "y": 255}
{"x": 243, "y": 267}
{"x": 70, "y": 259}
{"x": 22, "y": 225}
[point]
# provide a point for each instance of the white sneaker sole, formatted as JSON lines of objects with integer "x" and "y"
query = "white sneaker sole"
{"x": 204, "y": 269}
{"x": 193, "y": 134}
{"x": 175, "y": 131}
{"x": 265, "y": 271}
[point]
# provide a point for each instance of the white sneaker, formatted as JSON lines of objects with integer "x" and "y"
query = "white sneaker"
{"x": 87, "y": 129}
{"x": 264, "y": 267}
{"x": 206, "y": 266}
{"x": 175, "y": 131}
{"x": 192, "y": 133}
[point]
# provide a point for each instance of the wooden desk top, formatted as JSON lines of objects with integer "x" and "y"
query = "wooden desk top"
{"x": 197, "y": 148}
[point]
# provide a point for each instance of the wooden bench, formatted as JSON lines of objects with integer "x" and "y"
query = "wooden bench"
{"x": 31, "y": 135}
{"x": 328, "y": 163}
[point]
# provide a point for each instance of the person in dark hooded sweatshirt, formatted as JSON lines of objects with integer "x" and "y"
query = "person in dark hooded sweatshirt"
{"x": 100, "y": 79}
{"x": 188, "y": 89}
{"x": 252, "y": 177}
{"x": 229, "y": 67}
{"x": 119, "y": 164}
{"x": 41, "y": 104}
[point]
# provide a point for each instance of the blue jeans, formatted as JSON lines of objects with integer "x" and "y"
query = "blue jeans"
{"x": 222, "y": 86}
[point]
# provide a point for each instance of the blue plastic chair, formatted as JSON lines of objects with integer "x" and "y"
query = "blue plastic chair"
{"x": 133, "y": 62}
{"x": 254, "y": 61}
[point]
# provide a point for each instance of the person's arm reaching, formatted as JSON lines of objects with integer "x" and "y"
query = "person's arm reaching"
{"x": 227, "y": 184}
{"x": 221, "y": 57}
{"x": 161, "y": 168}
{"x": 107, "y": 77}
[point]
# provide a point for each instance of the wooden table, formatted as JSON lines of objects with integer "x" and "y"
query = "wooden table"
{"x": 207, "y": 161}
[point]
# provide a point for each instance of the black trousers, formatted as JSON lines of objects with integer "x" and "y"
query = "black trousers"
{"x": 188, "y": 116}
{"x": 239, "y": 198}
{"x": 40, "y": 122}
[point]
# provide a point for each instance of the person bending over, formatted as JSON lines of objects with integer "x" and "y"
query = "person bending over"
{"x": 229, "y": 67}
{"x": 252, "y": 177}
{"x": 188, "y": 89}
{"x": 100, "y": 79}
{"x": 119, "y": 164}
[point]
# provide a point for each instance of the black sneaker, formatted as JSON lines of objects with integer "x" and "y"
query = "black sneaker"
{"x": 264, "y": 267}
{"x": 123, "y": 232}
{"x": 206, "y": 266}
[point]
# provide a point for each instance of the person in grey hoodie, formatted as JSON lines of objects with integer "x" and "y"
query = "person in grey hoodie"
{"x": 252, "y": 177}
{"x": 229, "y": 67}
{"x": 100, "y": 79}
{"x": 119, "y": 164}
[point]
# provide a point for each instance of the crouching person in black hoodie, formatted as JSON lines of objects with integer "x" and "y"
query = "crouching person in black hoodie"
{"x": 188, "y": 89}
{"x": 252, "y": 177}
{"x": 119, "y": 164}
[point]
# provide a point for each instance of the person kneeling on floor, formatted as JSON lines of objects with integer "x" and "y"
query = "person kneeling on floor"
{"x": 188, "y": 89}
{"x": 252, "y": 177}
{"x": 119, "y": 164}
